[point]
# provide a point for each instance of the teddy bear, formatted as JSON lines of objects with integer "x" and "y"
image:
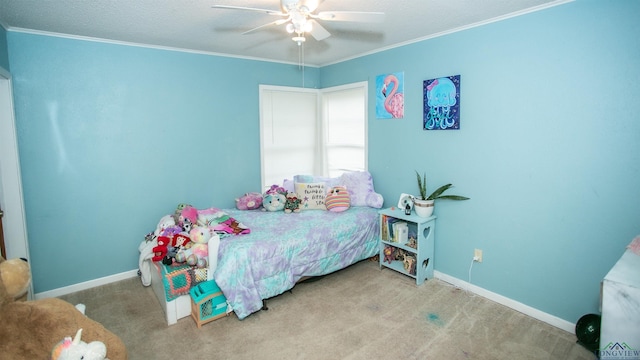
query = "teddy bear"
{"x": 168, "y": 246}
{"x": 292, "y": 204}
{"x": 160, "y": 251}
{"x": 249, "y": 201}
{"x": 198, "y": 253}
{"x": 34, "y": 327}
{"x": 200, "y": 238}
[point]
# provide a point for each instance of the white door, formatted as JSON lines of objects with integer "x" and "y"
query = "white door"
{"x": 11, "y": 200}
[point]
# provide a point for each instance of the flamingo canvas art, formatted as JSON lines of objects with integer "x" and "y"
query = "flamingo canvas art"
{"x": 390, "y": 96}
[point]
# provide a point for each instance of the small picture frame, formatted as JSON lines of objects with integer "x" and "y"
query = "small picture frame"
{"x": 405, "y": 199}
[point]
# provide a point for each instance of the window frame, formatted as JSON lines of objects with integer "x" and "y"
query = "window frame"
{"x": 320, "y": 148}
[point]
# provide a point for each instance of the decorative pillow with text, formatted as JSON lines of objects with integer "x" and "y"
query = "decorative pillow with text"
{"x": 312, "y": 195}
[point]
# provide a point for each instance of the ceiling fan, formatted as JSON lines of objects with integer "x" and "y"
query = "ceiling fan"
{"x": 300, "y": 18}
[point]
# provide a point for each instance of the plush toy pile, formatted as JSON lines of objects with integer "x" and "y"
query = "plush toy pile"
{"x": 306, "y": 192}
{"x": 31, "y": 329}
{"x": 183, "y": 236}
{"x": 186, "y": 237}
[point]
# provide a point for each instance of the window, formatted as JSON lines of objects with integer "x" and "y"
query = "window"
{"x": 344, "y": 111}
{"x": 309, "y": 131}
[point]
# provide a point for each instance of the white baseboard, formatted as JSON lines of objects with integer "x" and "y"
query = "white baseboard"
{"x": 87, "y": 285}
{"x": 515, "y": 305}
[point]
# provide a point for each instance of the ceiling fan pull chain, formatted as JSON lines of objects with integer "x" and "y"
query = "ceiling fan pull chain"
{"x": 299, "y": 55}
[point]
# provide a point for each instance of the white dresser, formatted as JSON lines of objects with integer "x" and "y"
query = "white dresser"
{"x": 620, "y": 327}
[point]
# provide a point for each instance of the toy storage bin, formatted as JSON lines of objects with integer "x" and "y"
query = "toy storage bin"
{"x": 207, "y": 302}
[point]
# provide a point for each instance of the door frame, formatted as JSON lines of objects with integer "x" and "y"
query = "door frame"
{"x": 11, "y": 196}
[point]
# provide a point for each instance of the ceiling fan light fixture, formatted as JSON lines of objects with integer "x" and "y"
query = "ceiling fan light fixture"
{"x": 300, "y": 19}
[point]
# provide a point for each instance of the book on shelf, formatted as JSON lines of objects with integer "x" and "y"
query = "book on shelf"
{"x": 387, "y": 229}
{"x": 384, "y": 231}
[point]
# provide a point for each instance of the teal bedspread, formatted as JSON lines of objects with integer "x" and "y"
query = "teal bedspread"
{"x": 282, "y": 248}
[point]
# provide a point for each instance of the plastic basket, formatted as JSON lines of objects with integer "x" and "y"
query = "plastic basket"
{"x": 207, "y": 302}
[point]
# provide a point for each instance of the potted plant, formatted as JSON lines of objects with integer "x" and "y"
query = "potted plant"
{"x": 424, "y": 204}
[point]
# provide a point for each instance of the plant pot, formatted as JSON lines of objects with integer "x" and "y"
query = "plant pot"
{"x": 424, "y": 208}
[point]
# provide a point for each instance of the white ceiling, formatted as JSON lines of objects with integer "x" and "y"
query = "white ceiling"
{"x": 195, "y": 25}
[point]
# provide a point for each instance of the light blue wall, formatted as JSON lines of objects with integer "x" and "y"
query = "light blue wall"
{"x": 4, "y": 49}
{"x": 549, "y": 148}
{"x": 113, "y": 137}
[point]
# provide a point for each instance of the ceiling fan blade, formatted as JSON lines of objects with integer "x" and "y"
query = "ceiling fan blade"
{"x": 266, "y": 11}
{"x": 356, "y": 16}
{"x": 318, "y": 32}
{"x": 277, "y": 22}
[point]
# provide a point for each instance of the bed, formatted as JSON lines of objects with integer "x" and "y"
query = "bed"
{"x": 280, "y": 250}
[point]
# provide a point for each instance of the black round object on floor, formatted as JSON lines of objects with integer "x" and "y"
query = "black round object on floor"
{"x": 588, "y": 331}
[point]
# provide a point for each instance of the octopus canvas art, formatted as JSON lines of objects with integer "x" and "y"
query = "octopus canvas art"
{"x": 390, "y": 96}
{"x": 442, "y": 103}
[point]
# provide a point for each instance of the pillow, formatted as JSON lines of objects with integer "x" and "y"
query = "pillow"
{"x": 337, "y": 199}
{"x": 288, "y": 185}
{"x": 360, "y": 187}
{"x": 328, "y": 182}
{"x": 312, "y": 195}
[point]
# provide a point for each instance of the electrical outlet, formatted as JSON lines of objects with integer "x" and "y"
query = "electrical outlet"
{"x": 477, "y": 255}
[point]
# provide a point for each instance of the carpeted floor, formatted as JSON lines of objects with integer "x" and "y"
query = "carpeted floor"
{"x": 361, "y": 312}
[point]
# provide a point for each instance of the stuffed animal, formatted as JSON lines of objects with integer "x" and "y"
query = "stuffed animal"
{"x": 205, "y": 246}
{"x": 200, "y": 237}
{"x": 16, "y": 277}
{"x": 165, "y": 222}
{"x": 249, "y": 201}
{"x": 168, "y": 246}
{"x": 198, "y": 253}
{"x": 172, "y": 230}
{"x": 409, "y": 263}
{"x": 337, "y": 199}
{"x": 180, "y": 241}
{"x": 179, "y": 209}
{"x": 76, "y": 349}
{"x": 188, "y": 218}
{"x": 274, "y": 202}
{"x": 276, "y": 189}
{"x": 35, "y": 327}
{"x": 388, "y": 254}
{"x": 292, "y": 204}
{"x": 185, "y": 256}
{"x": 160, "y": 251}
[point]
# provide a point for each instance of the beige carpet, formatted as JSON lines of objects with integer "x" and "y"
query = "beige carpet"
{"x": 361, "y": 312}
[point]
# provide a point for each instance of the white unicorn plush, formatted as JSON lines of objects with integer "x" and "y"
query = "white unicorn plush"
{"x": 77, "y": 349}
